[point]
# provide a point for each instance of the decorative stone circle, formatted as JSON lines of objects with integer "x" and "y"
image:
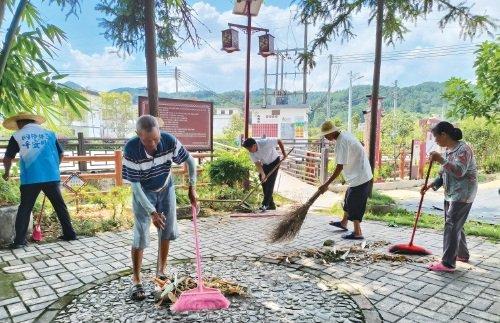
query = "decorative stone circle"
{"x": 277, "y": 294}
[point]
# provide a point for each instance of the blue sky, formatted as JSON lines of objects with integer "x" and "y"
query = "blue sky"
{"x": 93, "y": 61}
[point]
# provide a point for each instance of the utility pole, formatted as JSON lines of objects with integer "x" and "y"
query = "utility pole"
{"x": 352, "y": 77}
{"x": 328, "y": 99}
{"x": 176, "y": 80}
{"x": 304, "y": 83}
{"x": 265, "y": 82}
{"x": 395, "y": 97}
{"x": 276, "y": 78}
{"x": 282, "y": 70}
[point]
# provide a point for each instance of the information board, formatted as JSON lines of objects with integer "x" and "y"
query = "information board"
{"x": 188, "y": 120}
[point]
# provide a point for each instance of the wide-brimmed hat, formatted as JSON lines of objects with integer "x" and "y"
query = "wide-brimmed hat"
{"x": 328, "y": 127}
{"x": 11, "y": 122}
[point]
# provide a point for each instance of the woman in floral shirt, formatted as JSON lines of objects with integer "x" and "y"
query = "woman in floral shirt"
{"x": 458, "y": 176}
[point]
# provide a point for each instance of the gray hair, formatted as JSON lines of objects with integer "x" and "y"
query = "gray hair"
{"x": 146, "y": 123}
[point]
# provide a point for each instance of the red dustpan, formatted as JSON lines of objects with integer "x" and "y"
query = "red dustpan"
{"x": 410, "y": 248}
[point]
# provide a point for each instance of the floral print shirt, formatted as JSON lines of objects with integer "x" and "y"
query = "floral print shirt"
{"x": 458, "y": 174}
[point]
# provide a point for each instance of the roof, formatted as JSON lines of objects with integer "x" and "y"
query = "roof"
{"x": 282, "y": 107}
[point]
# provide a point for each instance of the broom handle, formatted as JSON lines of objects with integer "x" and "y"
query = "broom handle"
{"x": 194, "y": 211}
{"x": 39, "y": 220}
{"x": 267, "y": 176}
{"x": 420, "y": 204}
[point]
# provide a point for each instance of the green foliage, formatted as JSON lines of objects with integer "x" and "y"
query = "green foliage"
{"x": 335, "y": 18}
{"x": 30, "y": 82}
{"x": 484, "y": 137}
{"x": 117, "y": 112}
{"x": 9, "y": 193}
{"x": 125, "y": 22}
{"x": 384, "y": 172}
{"x": 229, "y": 168}
{"x": 482, "y": 100}
{"x": 232, "y": 133}
{"x": 491, "y": 165}
{"x": 398, "y": 130}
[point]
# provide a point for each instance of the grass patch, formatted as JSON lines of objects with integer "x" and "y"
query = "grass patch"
{"x": 402, "y": 217}
{"x": 7, "y": 283}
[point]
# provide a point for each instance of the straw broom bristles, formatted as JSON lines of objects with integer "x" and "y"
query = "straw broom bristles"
{"x": 290, "y": 226}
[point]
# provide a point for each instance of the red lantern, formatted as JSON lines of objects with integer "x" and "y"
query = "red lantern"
{"x": 266, "y": 45}
{"x": 230, "y": 40}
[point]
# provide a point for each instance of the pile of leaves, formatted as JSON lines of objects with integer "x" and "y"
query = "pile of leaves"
{"x": 168, "y": 291}
{"x": 364, "y": 253}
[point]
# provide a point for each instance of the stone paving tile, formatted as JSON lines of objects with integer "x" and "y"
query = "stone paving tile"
{"x": 471, "y": 292}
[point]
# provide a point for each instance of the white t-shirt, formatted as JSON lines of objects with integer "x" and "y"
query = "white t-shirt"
{"x": 266, "y": 151}
{"x": 350, "y": 153}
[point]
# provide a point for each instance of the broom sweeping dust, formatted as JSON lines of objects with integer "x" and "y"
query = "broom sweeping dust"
{"x": 292, "y": 221}
{"x": 410, "y": 248}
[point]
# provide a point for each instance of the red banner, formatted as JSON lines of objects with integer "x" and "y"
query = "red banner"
{"x": 190, "y": 121}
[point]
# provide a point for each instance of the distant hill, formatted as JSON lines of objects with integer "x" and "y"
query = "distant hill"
{"x": 423, "y": 99}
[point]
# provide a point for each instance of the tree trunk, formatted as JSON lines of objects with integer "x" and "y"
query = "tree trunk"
{"x": 150, "y": 46}
{"x": 9, "y": 38}
{"x": 376, "y": 85}
{"x": 3, "y": 4}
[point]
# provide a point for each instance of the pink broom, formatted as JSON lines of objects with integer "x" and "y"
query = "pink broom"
{"x": 201, "y": 297}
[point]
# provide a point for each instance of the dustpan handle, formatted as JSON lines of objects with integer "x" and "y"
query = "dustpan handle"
{"x": 194, "y": 211}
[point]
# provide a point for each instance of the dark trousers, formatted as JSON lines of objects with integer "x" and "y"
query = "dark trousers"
{"x": 268, "y": 186}
{"x": 29, "y": 194}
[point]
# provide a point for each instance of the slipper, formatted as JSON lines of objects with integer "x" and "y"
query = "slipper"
{"x": 466, "y": 260}
{"x": 439, "y": 267}
{"x": 352, "y": 236}
{"x": 338, "y": 224}
{"x": 163, "y": 277}
{"x": 137, "y": 292}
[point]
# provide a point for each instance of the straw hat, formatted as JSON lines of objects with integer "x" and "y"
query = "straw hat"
{"x": 11, "y": 122}
{"x": 328, "y": 127}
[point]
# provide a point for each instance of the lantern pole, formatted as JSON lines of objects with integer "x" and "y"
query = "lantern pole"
{"x": 247, "y": 81}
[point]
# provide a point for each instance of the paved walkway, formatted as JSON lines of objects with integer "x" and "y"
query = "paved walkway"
{"x": 400, "y": 292}
{"x": 486, "y": 206}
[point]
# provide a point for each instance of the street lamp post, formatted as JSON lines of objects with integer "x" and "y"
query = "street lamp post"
{"x": 247, "y": 8}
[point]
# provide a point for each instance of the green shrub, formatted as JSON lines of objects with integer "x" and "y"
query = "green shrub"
{"x": 229, "y": 168}
{"x": 9, "y": 192}
{"x": 383, "y": 172}
{"x": 491, "y": 165}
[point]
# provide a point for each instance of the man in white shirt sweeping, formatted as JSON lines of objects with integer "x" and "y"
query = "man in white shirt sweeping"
{"x": 351, "y": 159}
{"x": 263, "y": 153}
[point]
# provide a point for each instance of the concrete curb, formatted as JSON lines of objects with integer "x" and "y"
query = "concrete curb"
{"x": 384, "y": 186}
{"x": 370, "y": 313}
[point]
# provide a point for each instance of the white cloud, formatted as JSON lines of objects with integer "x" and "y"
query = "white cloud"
{"x": 223, "y": 72}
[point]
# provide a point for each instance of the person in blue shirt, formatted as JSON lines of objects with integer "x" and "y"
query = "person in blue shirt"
{"x": 40, "y": 155}
{"x": 147, "y": 162}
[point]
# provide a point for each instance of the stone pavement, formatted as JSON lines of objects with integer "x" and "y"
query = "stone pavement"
{"x": 402, "y": 292}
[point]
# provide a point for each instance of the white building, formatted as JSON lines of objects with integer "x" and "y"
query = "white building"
{"x": 281, "y": 121}
{"x": 222, "y": 119}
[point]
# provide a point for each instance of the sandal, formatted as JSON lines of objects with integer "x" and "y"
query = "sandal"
{"x": 466, "y": 260}
{"x": 137, "y": 292}
{"x": 352, "y": 236}
{"x": 338, "y": 224}
{"x": 439, "y": 267}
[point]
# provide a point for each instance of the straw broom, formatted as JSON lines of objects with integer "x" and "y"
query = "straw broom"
{"x": 288, "y": 228}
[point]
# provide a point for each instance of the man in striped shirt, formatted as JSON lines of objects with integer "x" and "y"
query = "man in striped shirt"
{"x": 146, "y": 165}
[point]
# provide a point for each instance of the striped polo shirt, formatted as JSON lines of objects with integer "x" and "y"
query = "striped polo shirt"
{"x": 152, "y": 171}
